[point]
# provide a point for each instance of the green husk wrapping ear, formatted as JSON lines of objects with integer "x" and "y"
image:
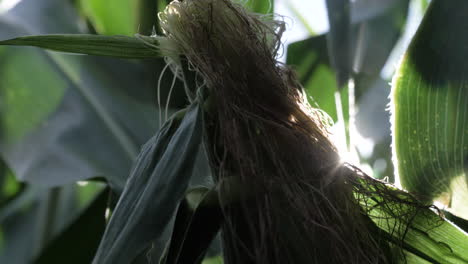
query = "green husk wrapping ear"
{"x": 297, "y": 203}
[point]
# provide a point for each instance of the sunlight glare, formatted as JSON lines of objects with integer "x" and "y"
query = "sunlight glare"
{"x": 82, "y": 183}
{"x": 6, "y": 5}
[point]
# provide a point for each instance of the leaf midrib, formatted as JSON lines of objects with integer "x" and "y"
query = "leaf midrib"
{"x": 122, "y": 137}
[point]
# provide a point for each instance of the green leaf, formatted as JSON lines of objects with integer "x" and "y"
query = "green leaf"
{"x": 155, "y": 187}
{"x": 114, "y": 46}
{"x": 20, "y": 200}
{"x": 116, "y": 18}
{"x": 430, "y": 105}
{"x": 20, "y": 235}
{"x": 437, "y": 239}
{"x": 148, "y": 21}
{"x": 458, "y": 221}
{"x": 9, "y": 186}
{"x": 383, "y": 26}
{"x": 339, "y": 39}
{"x": 373, "y": 22}
{"x": 424, "y": 4}
{"x": 310, "y": 60}
{"x": 33, "y": 219}
{"x": 85, "y": 109}
{"x": 33, "y": 135}
{"x": 364, "y": 10}
{"x": 428, "y": 236}
{"x": 214, "y": 260}
{"x": 18, "y": 119}
{"x": 41, "y": 17}
{"x": 259, "y": 6}
{"x": 198, "y": 220}
{"x": 78, "y": 243}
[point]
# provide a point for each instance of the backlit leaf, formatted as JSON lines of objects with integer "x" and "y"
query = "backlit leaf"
{"x": 417, "y": 230}
{"x": 430, "y": 108}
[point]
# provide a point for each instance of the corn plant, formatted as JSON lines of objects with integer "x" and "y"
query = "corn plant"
{"x": 238, "y": 164}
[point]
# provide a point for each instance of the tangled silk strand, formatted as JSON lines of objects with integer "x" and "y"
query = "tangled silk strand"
{"x": 297, "y": 203}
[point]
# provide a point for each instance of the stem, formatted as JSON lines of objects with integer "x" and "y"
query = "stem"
{"x": 147, "y": 16}
{"x": 352, "y": 130}
{"x": 341, "y": 116}
{"x": 346, "y": 112}
{"x": 51, "y": 213}
{"x": 46, "y": 213}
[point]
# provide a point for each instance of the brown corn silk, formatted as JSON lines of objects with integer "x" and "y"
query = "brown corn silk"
{"x": 295, "y": 202}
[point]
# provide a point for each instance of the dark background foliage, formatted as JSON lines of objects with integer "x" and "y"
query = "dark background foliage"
{"x": 71, "y": 126}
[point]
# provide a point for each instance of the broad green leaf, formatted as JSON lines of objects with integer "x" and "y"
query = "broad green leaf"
{"x": 34, "y": 135}
{"x": 413, "y": 259}
{"x": 114, "y": 46}
{"x": 197, "y": 222}
{"x": 157, "y": 183}
{"x": 85, "y": 109}
{"x": 112, "y": 18}
{"x": 430, "y": 107}
{"x": 17, "y": 115}
{"x": 78, "y": 243}
{"x": 436, "y": 238}
{"x": 428, "y": 236}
